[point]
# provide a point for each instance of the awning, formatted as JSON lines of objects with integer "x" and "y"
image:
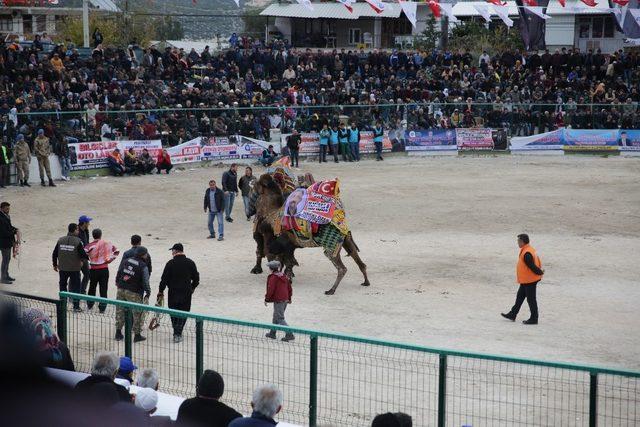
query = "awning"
{"x": 466, "y": 8}
{"x": 331, "y": 10}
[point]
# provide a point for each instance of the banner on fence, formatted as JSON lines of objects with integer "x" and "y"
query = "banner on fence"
{"x": 187, "y": 152}
{"x": 234, "y": 147}
{"x": 93, "y": 155}
{"x": 430, "y": 139}
{"x": 590, "y": 139}
{"x": 629, "y": 140}
{"x": 474, "y": 139}
{"x": 310, "y": 143}
{"x": 544, "y": 141}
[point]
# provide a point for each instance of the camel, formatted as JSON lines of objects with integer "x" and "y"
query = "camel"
{"x": 273, "y": 243}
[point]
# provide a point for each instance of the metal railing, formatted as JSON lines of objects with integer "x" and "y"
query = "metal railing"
{"x": 343, "y": 380}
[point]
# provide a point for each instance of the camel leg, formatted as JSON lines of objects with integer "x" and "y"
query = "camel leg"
{"x": 352, "y": 250}
{"x": 342, "y": 270}
{"x": 257, "y": 269}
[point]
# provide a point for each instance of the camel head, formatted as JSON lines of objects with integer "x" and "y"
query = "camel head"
{"x": 266, "y": 188}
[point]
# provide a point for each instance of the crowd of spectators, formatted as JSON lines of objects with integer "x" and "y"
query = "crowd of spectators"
{"x": 252, "y": 87}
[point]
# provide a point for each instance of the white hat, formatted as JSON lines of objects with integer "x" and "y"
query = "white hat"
{"x": 146, "y": 399}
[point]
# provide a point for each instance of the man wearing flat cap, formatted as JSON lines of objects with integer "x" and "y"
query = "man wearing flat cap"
{"x": 181, "y": 276}
{"x": 279, "y": 293}
{"x": 132, "y": 281}
{"x": 206, "y": 409}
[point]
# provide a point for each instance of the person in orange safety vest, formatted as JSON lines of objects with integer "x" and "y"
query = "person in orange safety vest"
{"x": 528, "y": 273}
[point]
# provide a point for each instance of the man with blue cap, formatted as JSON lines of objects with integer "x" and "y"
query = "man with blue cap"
{"x": 22, "y": 154}
{"x": 42, "y": 149}
{"x": 125, "y": 371}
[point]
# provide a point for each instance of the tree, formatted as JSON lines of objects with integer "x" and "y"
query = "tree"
{"x": 476, "y": 37}
{"x": 430, "y": 36}
{"x": 253, "y": 22}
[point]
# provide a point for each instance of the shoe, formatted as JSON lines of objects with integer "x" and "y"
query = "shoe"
{"x": 229, "y": 219}
{"x": 51, "y": 184}
{"x": 508, "y": 316}
{"x": 77, "y": 310}
{"x": 211, "y": 236}
{"x": 381, "y": 158}
{"x": 221, "y": 238}
{"x": 138, "y": 338}
{"x": 177, "y": 338}
{"x": 21, "y": 183}
{"x": 288, "y": 338}
{"x": 6, "y": 282}
{"x": 248, "y": 218}
{"x": 42, "y": 183}
{"x": 26, "y": 184}
{"x": 10, "y": 278}
{"x": 530, "y": 322}
{"x": 119, "y": 336}
{"x": 271, "y": 335}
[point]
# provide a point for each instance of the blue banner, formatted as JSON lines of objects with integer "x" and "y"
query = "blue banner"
{"x": 591, "y": 137}
{"x": 629, "y": 140}
{"x": 430, "y": 139}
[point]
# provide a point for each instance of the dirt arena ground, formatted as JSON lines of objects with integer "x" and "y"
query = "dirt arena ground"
{"x": 437, "y": 234}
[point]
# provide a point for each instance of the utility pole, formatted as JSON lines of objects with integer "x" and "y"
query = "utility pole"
{"x": 85, "y": 22}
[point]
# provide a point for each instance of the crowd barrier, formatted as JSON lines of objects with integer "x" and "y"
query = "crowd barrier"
{"x": 341, "y": 380}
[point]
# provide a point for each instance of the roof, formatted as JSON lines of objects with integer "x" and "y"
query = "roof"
{"x": 106, "y": 5}
{"x": 63, "y": 5}
{"x": 466, "y": 8}
{"x": 330, "y": 10}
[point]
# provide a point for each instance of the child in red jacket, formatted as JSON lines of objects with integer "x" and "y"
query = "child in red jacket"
{"x": 279, "y": 292}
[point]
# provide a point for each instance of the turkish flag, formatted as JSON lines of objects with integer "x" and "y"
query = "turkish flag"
{"x": 590, "y": 3}
{"x": 435, "y": 7}
{"x": 327, "y": 188}
{"x": 621, "y": 2}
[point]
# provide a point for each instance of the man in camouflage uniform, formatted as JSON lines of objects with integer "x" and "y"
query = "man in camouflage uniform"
{"x": 22, "y": 154}
{"x": 42, "y": 148}
{"x": 132, "y": 281}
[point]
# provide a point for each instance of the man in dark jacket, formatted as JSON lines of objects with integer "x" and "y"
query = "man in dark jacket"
{"x": 68, "y": 257}
{"x": 293, "y": 144}
{"x": 230, "y": 188}
{"x": 246, "y": 184}
{"x": 104, "y": 370}
{"x": 136, "y": 241}
{"x": 132, "y": 281}
{"x": 206, "y": 409}
{"x": 7, "y": 240}
{"x": 266, "y": 403}
{"x": 181, "y": 276}
{"x": 214, "y": 203}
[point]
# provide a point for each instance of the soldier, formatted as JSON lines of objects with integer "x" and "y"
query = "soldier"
{"x": 68, "y": 257}
{"x": 132, "y": 281}
{"x": 42, "y": 148}
{"x": 23, "y": 159}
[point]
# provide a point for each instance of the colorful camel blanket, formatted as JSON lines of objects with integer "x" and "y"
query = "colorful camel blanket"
{"x": 282, "y": 173}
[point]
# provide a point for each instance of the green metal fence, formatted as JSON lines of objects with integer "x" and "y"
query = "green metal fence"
{"x": 341, "y": 380}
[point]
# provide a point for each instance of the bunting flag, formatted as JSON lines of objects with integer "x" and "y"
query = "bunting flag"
{"x": 531, "y": 2}
{"x": 622, "y": 3}
{"x": 503, "y": 13}
{"x": 376, "y": 5}
{"x": 631, "y": 27}
{"x": 537, "y": 11}
{"x": 409, "y": 8}
{"x": 447, "y": 8}
{"x": 563, "y": 3}
{"x": 348, "y": 4}
{"x": 305, "y": 3}
{"x": 590, "y": 3}
{"x": 483, "y": 10}
{"x": 532, "y": 26}
{"x": 497, "y": 2}
{"x": 435, "y": 7}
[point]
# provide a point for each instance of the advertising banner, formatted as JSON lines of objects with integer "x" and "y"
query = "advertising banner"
{"x": 544, "y": 141}
{"x": 367, "y": 146}
{"x": 430, "y": 139}
{"x": 590, "y": 139}
{"x": 93, "y": 155}
{"x": 474, "y": 139}
{"x": 232, "y": 148}
{"x": 187, "y": 152}
{"x": 310, "y": 143}
{"x": 629, "y": 140}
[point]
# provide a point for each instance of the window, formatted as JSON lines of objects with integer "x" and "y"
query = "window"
{"x": 6, "y": 23}
{"x": 41, "y": 23}
{"x": 609, "y": 27}
{"x": 355, "y": 36}
{"x": 596, "y": 27}
{"x": 584, "y": 28}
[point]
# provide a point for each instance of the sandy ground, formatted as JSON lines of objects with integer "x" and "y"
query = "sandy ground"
{"x": 437, "y": 234}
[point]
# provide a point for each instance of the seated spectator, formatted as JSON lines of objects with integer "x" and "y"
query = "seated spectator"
{"x": 268, "y": 156}
{"x": 397, "y": 419}
{"x": 206, "y": 409}
{"x": 52, "y": 352}
{"x": 126, "y": 369}
{"x": 104, "y": 371}
{"x": 148, "y": 378}
{"x": 147, "y": 400}
{"x": 132, "y": 163}
{"x": 164, "y": 162}
{"x": 116, "y": 164}
{"x": 147, "y": 164}
{"x": 266, "y": 403}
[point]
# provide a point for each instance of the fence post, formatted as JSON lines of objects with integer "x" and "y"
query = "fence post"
{"x": 61, "y": 314}
{"x": 128, "y": 320}
{"x": 199, "y": 350}
{"x": 593, "y": 399}
{"x": 313, "y": 382}
{"x": 442, "y": 390}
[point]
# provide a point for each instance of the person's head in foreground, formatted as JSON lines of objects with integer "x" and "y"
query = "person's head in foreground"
{"x": 391, "y": 419}
{"x": 148, "y": 378}
{"x": 267, "y": 401}
{"x": 147, "y": 400}
{"x": 106, "y": 364}
{"x": 211, "y": 385}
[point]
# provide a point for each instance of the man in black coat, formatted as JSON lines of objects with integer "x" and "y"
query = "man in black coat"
{"x": 7, "y": 240}
{"x": 181, "y": 276}
{"x": 206, "y": 409}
